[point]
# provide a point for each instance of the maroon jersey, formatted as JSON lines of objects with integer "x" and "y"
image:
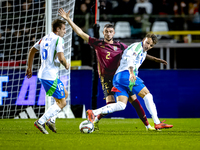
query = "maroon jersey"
{"x": 108, "y": 55}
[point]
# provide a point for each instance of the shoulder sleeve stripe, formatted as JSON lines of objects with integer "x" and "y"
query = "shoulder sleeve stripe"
{"x": 138, "y": 47}
{"x": 57, "y": 41}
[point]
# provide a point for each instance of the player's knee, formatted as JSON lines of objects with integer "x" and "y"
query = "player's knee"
{"x": 63, "y": 103}
{"x": 132, "y": 98}
{"x": 143, "y": 92}
{"x": 110, "y": 99}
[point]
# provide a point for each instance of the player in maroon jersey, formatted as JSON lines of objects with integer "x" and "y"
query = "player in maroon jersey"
{"x": 108, "y": 53}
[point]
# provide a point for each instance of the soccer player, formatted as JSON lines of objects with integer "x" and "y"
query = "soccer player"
{"x": 127, "y": 83}
{"x": 51, "y": 51}
{"x": 108, "y": 54}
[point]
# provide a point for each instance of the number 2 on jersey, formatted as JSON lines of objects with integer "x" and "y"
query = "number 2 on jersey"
{"x": 107, "y": 56}
{"x": 45, "y": 52}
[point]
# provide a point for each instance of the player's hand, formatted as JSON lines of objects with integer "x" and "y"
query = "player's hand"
{"x": 67, "y": 66}
{"x": 161, "y": 61}
{"x": 132, "y": 78}
{"x": 28, "y": 73}
{"x": 63, "y": 14}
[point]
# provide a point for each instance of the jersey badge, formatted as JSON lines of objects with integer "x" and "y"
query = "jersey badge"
{"x": 62, "y": 93}
{"x": 102, "y": 46}
{"x": 115, "y": 48}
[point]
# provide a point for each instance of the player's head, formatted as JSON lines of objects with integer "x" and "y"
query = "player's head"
{"x": 58, "y": 27}
{"x": 149, "y": 41}
{"x": 108, "y": 32}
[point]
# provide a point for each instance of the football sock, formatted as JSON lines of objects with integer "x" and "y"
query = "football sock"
{"x": 51, "y": 111}
{"x": 96, "y": 112}
{"x": 151, "y": 107}
{"x": 148, "y": 126}
{"x": 140, "y": 111}
{"x": 110, "y": 108}
{"x": 53, "y": 119}
{"x": 99, "y": 116}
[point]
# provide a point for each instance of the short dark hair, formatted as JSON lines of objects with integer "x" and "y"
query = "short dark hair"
{"x": 153, "y": 37}
{"x": 109, "y": 26}
{"x": 57, "y": 23}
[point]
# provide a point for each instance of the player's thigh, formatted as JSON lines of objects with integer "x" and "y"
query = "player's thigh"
{"x": 107, "y": 85}
{"x": 110, "y": 99}
{"x": 123, "y": 99}
{"x": 61, "y": 102}
{"x": 143, "y": 92}
{"x": 122, "y": 93}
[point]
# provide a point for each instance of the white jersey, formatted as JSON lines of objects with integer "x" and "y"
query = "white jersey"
{"x": 133, "y": 56}
{"x": 49, "y": 46}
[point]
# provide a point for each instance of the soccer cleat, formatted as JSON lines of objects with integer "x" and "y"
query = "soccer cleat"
{"x": 40, "y": 127}
{"x": 151, "y": 129}
{"x": 96, "y": 125}
{"x": 162, "y": 125}
{"x": 90, "y": 115}
{"x": 51, "y": 125}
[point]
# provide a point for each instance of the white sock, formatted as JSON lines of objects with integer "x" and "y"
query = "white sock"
{"x": 148, "y": 126}
{"x": 97, "y": 111}
{"x": 151, "y": 107}
{"x": 51, "y": 111}
{"x": 53, "y": 119}
{"x": 110, "y": 108}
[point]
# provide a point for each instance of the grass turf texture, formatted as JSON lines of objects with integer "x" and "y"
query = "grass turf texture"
{"x": 117, "y": 134}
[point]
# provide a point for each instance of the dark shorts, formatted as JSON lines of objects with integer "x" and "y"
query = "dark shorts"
{"x": 107, "y": 84}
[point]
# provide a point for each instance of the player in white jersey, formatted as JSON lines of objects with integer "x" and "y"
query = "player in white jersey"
{"x": 51, "y": 51}
{"x": 126, "y": 82}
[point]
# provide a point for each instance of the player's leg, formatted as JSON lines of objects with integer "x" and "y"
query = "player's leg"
{"x": 151, "y": 107}
{"x": 55, "y": 89}
{"x": 51, "y": 122}
{"x": 122, "y": 98}
{"x": 106, "y": 83}
{"x": 110, "y": 108}
{"x": 53, "y": 119}
{"x": 140, "y": 111}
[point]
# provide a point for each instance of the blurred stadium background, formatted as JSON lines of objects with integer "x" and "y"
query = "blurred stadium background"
{"x": 175, "y": 87}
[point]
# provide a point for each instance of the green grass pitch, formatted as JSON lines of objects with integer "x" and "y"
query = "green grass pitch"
{"x": 114, "y": 134}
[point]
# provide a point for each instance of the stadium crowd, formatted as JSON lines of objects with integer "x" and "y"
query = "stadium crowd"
{"x": 21, "y": 19}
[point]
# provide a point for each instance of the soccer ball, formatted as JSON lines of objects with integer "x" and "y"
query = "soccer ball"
{"x": 86, "y": 127}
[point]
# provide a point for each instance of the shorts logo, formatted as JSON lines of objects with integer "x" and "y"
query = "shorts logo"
{"x": 62, "y": 93}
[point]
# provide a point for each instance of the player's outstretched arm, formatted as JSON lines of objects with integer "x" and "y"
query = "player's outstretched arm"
{"x": 158, "y": 60}
{"x": 76, "y": 29}
{"x": 31, "y": 55}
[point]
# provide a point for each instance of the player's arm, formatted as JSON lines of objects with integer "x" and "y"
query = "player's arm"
{"x": 76, "y": 29}
{"x": 31, "y": 55}
{"x": 158, "y": 60}
{"x": 62, "y": 60}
